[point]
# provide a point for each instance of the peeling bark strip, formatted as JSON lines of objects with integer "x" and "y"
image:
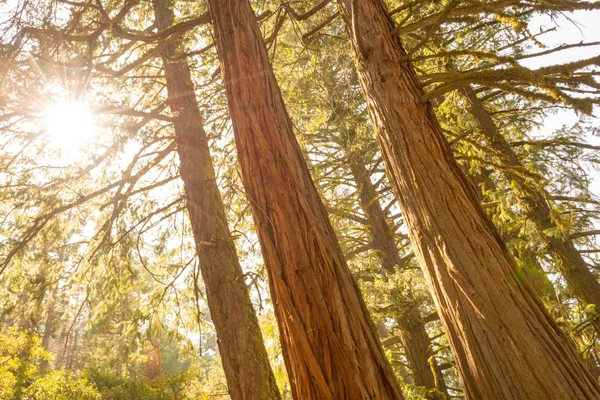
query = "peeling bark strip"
{"x": 505, "y": 343}
{"x": 245, "y": 360}
{"x": 329, "y": 346}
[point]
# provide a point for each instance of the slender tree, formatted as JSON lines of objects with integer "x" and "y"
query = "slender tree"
{"x": 413, "y": 334}
{"x": 153, "y": 367}
{"x": 328, "y": 342}
{"x": 382, "y": 235}
{"x": 243, "y": 353}
{"x": 569, "y": 262}
{"x": 505, "y": 343}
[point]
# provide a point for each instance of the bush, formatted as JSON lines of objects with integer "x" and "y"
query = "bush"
{"x": 115, "y": 387}
{"x": 61, "y": 385}
{"x": 20, "y": 352}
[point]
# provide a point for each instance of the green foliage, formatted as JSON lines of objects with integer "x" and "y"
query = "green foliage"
{"x": 179, "y": 386}
{"x": 61, "y": 385}
{"x": 20, "y": 353}
{"x": 115, "y": 387}
{"x": 413, "y": 392}
{"x": 20, "y": 378}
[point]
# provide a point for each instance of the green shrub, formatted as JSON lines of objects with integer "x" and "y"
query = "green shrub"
{"x": 115, "y": 387}
{"x": 61, "y": 385}
{"x": 20, "y": 352}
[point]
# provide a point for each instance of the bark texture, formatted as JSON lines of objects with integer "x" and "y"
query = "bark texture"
{"x": 245, "y": 360}
{"x": 329, "y": 346}
{"x": 505, "y": 343}
{"x": 532, "y": 270}
{"x": 580, "y": 279}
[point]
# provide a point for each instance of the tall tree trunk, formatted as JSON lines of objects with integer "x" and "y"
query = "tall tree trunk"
{"x": 580, "y": 280}
{"x": 241, "y": 346}
{"x": 382, "y": 235}
{"x": 71, "y": 357}
{"x": 153, "y": 367}
{"x": 505, "y": 343}
{"x": 414, "y": 337}
{"x": 328, "y": 342}
{"x": 533, "y": 273}
{"x": 49, "y": 327}
{"x": 392, "y": 341}
{"x": 49, "y": 324}
{"x": 417, "y": 345}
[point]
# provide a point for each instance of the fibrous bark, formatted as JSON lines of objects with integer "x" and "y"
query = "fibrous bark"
{"x": 245, "y": 360}
{"x": 153, "y": 367}
{"x": 329, "y": 346}
{"x": 505, "y": 343}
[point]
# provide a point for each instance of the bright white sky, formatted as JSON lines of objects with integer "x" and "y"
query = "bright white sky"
{"x": 587, "y": 30}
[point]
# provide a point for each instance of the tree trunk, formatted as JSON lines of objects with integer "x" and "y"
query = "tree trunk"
{"x": 49, "y": 324}
{"x": 382, "y": 236}
{"x": 153, "y": 367}
{"x": 71, "y": 358}
{"x": 417, "y": 345}
{"x": 245, "y": 360}
{"x": 505, "y": 343}
{"x": 392, "y": 344}
{"x": 49, "y": 327}
{"x": 329, "y": 346}
{"x": 414, "y": 337}
{"x": 581, "y": 281}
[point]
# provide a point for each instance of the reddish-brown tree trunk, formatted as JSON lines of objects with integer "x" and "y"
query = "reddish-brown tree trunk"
{"x": 505, "y": 343}
{"x": 245, "y": 360}
{"x": 153, "y": 367}
{"x": 532, "y": 270}
{"x": 329, "y": 346}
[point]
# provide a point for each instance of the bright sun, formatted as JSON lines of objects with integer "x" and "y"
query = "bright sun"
{"x": 69, "y": 125}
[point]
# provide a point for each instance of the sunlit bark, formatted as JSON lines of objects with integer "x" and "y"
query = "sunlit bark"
{"x": 329, "y": 346}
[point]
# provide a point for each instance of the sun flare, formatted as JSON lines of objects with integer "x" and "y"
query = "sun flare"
{"x": 69, "y": 125}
